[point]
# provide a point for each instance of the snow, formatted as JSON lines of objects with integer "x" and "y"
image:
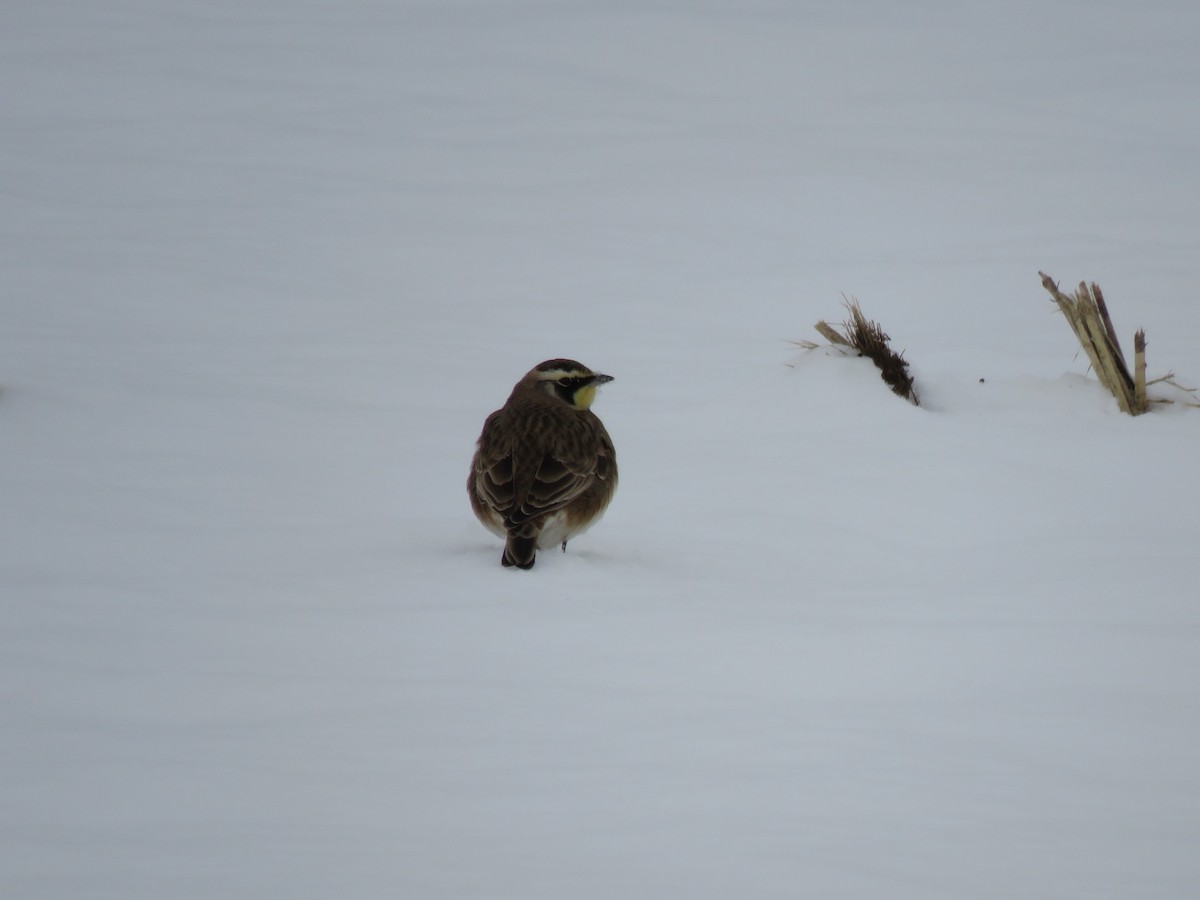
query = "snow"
{"x": 268, "y": 266}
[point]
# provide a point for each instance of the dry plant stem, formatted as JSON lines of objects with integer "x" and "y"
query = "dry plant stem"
{"x": 1139, "y": 369}
{"x": 1108, "y": 325}
{"x": 1067, "y": 306}
{"x": 1087, "y": 314}
{"x": 1169, "y": 378}
{"x": 1107, "y": 351}
{"x": 831, "y": 334}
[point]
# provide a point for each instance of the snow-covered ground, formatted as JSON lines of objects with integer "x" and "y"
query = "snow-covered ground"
{"x": 267, "y": 266}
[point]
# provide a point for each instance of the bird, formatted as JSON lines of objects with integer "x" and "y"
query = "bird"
{"x": 544, "y": 468}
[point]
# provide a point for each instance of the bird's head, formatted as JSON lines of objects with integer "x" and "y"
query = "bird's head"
{"x": 570, "y": 381}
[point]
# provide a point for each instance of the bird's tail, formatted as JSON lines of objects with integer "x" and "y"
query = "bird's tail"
{"x": 520, "y": 548}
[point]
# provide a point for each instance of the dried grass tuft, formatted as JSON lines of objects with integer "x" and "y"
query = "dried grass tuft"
{"x": 868, "y": 339}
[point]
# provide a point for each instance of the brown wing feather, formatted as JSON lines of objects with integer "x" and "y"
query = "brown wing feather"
{"x": 493, "y": 466}
{"x": 552, "y": 487}
{"x": 520, "y": 476}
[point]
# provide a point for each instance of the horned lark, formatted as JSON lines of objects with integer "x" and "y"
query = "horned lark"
{"x": 545, "y": 468}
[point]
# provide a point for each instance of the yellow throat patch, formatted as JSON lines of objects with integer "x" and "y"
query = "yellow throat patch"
{"x": 584, "y": 396}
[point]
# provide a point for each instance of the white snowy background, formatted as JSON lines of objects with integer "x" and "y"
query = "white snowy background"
{"x": 266, "y": 267}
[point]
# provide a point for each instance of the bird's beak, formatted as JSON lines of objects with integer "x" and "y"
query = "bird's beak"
{"x": 599, "y": 379}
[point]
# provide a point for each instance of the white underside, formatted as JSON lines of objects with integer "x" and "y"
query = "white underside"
{"x": 554, "y": 531}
